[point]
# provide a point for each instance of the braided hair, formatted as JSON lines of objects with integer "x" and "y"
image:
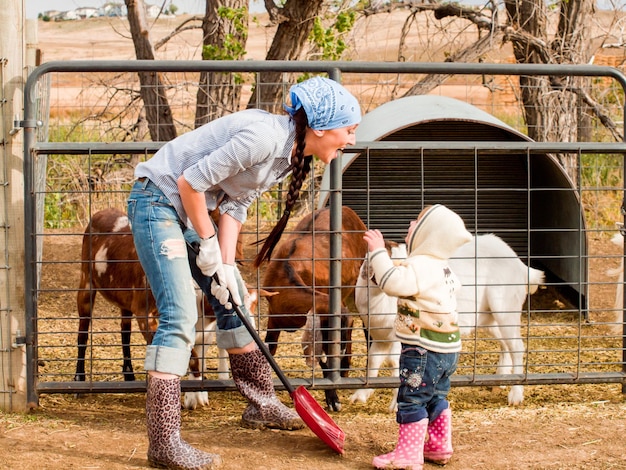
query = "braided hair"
{"x": 300, "y": 168}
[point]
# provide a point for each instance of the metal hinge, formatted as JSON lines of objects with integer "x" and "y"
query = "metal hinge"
{"x": 19, "y": 124}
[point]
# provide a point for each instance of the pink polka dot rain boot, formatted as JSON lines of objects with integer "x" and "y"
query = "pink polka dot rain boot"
{"x": 438, "y": 448}
{"x": 409, "y": 452}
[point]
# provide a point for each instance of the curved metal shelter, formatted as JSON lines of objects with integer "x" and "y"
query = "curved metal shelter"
{"x": 527, "y": 199}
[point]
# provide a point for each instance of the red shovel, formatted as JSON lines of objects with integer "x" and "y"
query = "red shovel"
{"x": 306, "y": 406}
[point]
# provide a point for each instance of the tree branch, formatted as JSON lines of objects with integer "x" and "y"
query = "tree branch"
{"x": 469, "y": 54}
{"x": 599, "y": 112}
{"x": 528, "y": 41}
{"x": 275, "y": 13}
{"x": 179, "y": 29}
{"x": 454, "y": 9}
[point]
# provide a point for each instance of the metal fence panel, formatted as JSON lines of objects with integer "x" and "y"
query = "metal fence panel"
{"x": 89, "y": 166}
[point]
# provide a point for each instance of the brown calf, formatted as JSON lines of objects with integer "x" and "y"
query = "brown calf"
{"x": 299, "y": 272}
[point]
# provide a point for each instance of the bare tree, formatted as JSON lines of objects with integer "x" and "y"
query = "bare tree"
{"x": 225, "y": 29}
{"x": 153, "y": 92}
{"x": 555, "y": 108}
{"x": 295, "y": 19}
{"x": 224, "y": 36}
{"x": 552, "y": 106}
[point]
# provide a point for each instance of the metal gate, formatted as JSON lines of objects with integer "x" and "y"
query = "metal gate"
{"x": 565, "y": 342}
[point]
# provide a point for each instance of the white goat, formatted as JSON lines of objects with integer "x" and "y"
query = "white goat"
{"x": 495, "y": 285}
{"x": 205, "y": 337}
{"x": 378, "y": 312}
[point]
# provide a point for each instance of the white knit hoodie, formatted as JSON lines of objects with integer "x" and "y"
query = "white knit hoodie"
{"x": 424, "y": 284}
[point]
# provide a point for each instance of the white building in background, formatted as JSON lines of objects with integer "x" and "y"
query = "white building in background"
{"x": 113, "y": 9}
{"x": 152, "y": 11}
{"x": 66, "y": 16}
{"x": 87, "y": 12}
{"x": 51, "y": 13}
{"x": 108, "y": 9}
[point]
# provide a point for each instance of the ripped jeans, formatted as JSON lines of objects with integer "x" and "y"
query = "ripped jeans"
{"x": 424, "y": 383}
{"x": 161, "y": 244}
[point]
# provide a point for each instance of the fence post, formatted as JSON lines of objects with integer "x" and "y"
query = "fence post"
{"x": 14, "y": 59}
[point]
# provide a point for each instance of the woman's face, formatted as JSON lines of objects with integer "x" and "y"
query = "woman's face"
{"x": 326, "y": 144}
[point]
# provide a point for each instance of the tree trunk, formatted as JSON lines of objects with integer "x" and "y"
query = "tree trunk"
{"x": 530, "y": 16}
{"x": 288, "y": 43}
{"x": 574, "y": 36}
{"x": 219, "y": 93}
{"x": 550, "y": 107}
{"x": 153, "y": 93}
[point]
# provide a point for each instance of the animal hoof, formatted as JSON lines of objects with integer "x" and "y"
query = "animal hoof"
{"x": 335, "y": 406}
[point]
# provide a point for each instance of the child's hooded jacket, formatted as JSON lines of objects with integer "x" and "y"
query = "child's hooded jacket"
{"x": 424, "y": 283}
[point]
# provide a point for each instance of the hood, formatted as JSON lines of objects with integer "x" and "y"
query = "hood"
{"x": 438, "y": 232}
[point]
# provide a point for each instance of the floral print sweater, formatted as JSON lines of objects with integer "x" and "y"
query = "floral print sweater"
{"x": 425, "y": 285}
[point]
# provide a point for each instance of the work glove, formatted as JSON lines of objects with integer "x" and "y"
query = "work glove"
{"x": 226, "y": 287}
{"x": 209, "y": 258}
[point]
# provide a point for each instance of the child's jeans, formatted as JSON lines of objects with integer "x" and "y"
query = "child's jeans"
{"x": 424, "y": 383}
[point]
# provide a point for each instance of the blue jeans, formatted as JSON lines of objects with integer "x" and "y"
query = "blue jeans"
{"x": 424, "y": 383}
{"x": 161, "y": 243}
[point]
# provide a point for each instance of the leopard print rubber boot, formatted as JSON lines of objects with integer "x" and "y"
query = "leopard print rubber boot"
{"x": 166, "y": 449}
{"x": 253, "y": 377}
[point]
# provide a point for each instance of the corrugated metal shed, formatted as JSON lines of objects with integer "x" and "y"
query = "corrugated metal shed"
{"x": 528, "y": 200}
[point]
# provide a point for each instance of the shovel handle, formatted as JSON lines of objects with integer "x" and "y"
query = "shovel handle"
{"x": 262, "y": 346}
{"x": 309, "y": 410}
{"x": 195, "y": 247}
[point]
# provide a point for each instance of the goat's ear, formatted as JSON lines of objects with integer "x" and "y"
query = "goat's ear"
{"x": 268, "y": 293}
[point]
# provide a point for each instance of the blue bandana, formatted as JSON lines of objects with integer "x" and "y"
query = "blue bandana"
{"x": 327, "y": 104}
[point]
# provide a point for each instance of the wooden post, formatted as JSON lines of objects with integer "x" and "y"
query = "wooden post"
{"x": 13, "y": 70}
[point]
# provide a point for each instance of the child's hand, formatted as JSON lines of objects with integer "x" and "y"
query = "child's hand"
{"x": 374, "y": 239}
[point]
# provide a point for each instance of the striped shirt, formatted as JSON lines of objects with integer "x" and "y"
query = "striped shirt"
{"x": 232, "y": 160}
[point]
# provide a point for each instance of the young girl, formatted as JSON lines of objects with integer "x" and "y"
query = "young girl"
{"x": 427, "y": 326}
{"x": 224, "y": 164}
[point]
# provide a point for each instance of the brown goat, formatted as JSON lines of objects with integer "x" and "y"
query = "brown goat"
{"x": 110, "y": 267}
{"x": 299, "y": 272}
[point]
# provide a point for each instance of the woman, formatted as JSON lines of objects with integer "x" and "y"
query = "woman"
{"x": 224, "y": 164}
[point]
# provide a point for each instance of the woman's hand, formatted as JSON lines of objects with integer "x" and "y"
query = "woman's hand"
{"x": 221, "y": 255}
{"x": 227, "y": 287}
{"x": 217, "y": 252}
{"x": 209, "y": 258}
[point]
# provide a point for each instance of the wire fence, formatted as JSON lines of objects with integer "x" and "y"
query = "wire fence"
{"x": 570, "y": 331}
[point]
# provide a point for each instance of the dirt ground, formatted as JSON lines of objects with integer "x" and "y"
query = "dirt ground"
{"x": 557, "y": 427}
{"x": 577, "y": 427}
